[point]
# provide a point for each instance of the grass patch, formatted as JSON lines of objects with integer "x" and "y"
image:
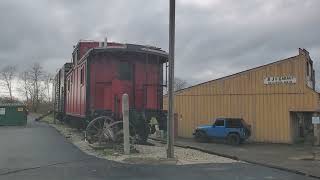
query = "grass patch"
{"x": 48, "y": 119}
{"x": 108, "y": 152}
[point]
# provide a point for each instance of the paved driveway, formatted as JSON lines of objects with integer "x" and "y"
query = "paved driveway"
{"x": 39, "y": 152}
{"x": 283, "y": 156}
{"x": 35, "y": 145}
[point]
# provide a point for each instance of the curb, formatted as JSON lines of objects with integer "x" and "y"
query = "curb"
{"x": 240, "y": 159}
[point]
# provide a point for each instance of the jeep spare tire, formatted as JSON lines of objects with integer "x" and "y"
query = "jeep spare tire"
{"x": 233, "y": 139}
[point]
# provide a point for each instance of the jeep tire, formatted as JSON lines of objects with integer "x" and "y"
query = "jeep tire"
{"x": 233, "y": 139}
{"x": 201, "y": 136}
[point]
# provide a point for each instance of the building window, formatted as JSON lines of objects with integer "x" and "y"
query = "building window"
{"x": 68, "y": 85}
{"x": 78, "y": 55}
{"x": 219, "y": 122}
{"x": 125, "y": 71}
{"x": 81, "y": 76}
{"x": 307, "y": 68}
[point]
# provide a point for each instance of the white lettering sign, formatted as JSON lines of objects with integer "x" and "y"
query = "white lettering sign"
{"x": 2, "y": 111}
{"x": 280, "y": 80}
{"x": 315, "y": 120}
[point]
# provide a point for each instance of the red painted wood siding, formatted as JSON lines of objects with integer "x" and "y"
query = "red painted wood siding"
{"x": 105, "y": 85}
{"x": 76, "y": 94}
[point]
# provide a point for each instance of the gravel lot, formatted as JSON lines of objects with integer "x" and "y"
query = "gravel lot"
{"x": 183, "y": 155}
{"x": 147, "y": 154}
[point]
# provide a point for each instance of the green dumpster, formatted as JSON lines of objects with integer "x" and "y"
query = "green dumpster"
{"x": 13, "y": 114}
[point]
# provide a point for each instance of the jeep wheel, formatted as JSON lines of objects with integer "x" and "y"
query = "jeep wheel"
{"x": 233, "y": 139}
{"x": 201, "y": 137}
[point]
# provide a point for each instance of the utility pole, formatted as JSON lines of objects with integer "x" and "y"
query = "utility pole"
{"x": 54, "y": 87}
{"x": 170, "y": 124}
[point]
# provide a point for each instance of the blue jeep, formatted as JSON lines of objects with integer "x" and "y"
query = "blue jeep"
{"x": 234, "y": 130}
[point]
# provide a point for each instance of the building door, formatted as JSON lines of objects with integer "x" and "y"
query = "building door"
{"x": 302, "y": 127}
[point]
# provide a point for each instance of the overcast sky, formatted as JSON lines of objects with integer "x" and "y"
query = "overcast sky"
{"x": 213, "y": 37}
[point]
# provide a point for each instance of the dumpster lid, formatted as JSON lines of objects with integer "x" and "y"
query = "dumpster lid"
{"x": 11, "y": 104}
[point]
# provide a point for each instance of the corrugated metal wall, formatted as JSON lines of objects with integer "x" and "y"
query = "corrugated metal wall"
{"x": 265, "y": 107}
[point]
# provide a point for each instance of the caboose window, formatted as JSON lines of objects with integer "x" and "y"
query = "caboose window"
{"x": 125, "y": 71}
{"x": 68, "y": 84}
{"x": 81, "y": 76}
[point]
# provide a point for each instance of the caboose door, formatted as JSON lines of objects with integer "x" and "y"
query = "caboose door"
{"x": 107, "y": 98}
{"x": 103, "y": 96}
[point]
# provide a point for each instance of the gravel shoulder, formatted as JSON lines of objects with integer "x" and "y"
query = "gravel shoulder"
{"x": 146, "y": 154}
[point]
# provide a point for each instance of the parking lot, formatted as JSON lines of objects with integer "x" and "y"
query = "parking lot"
{"x": 298, "y": 158}
{"x": 39, "y": 152}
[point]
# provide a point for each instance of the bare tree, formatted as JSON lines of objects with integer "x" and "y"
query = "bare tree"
{"x": 7, "y": 77}
{"x": 35, "y": 77}
{"x": 48, "y": 80}
{"x": 35, "y": 86}
{"x": 179, "y": 84}
{"x": 24, "y": 86}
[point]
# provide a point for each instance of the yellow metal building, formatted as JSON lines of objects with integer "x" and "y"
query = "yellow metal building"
{"x": 277, "y": 100}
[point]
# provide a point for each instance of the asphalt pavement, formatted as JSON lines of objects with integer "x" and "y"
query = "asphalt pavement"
{"x": 302, "y": 158}
{"x": 39, "y": 152}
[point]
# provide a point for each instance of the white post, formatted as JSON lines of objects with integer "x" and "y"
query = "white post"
{"x": 316, "y": 129}
{"x": 125, "y": 115}
{"x": 316, "y": 132}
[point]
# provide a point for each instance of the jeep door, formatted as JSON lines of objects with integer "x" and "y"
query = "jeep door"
{"x": 218, "y": 129}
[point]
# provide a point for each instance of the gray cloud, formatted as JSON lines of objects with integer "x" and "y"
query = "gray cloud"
{"x": 213, "y": 37}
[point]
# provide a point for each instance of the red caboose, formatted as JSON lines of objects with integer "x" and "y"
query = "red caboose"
{"x": 103, "y": 71}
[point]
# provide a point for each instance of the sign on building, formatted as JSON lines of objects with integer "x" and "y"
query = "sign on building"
{"x": 315, "y": 120}
{"x": 2, "y": 111}
{"x": 280, "y": 80}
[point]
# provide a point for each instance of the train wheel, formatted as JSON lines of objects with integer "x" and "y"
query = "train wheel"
{"x": 114, "y": 132}
{"x": 111, "y": 131}
{"x": 95, "y": 129}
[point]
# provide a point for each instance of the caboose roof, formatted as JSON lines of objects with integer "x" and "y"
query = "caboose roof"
{"x": 133, "y": 48}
